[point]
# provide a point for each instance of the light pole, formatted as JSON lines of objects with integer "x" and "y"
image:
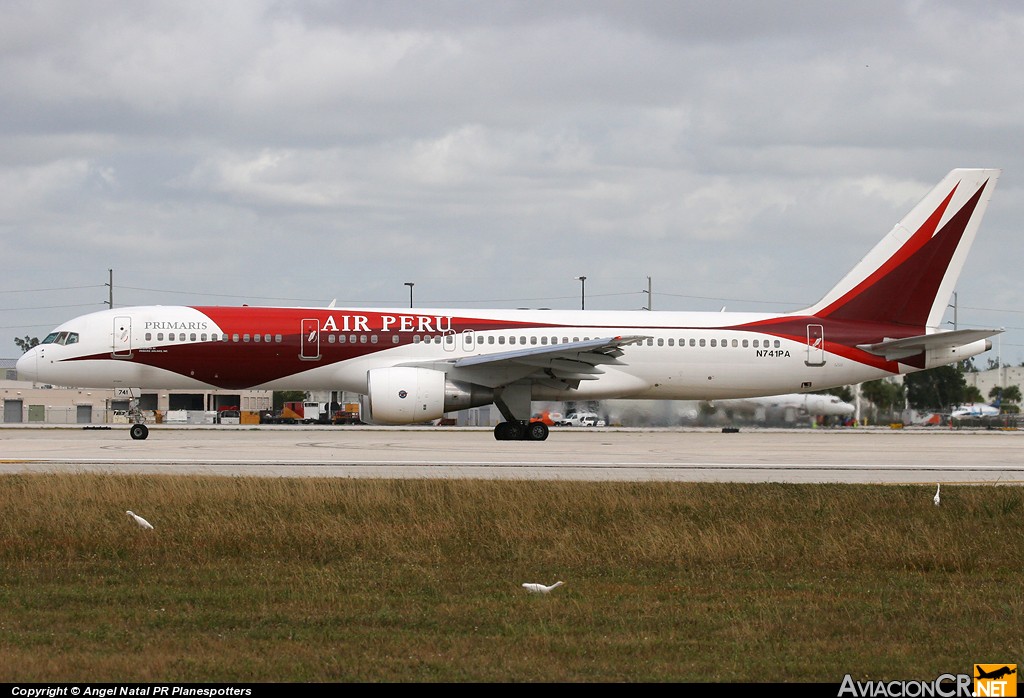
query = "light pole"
{"x": 583, "y": 291}
{"x": 410, "y": 284}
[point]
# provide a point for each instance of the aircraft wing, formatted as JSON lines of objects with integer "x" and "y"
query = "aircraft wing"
{"x": 892, "y": 349}
{"x": 557, "y": 365}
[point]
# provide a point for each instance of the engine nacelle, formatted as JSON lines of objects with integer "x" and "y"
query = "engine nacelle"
{"x": 407, "y": 395}
{"x": 948, "y": 355}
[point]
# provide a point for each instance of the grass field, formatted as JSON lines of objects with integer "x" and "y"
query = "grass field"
{"x": 346, "y": 580}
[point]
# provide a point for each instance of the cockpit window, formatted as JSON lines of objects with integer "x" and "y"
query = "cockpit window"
{"x": 61, "y": 338}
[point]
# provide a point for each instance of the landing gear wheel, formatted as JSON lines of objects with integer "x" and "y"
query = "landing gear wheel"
{"x": 515, "y": 431}
{"x": 537, "y": 431}
{"x": 521, "y": 431}
{"x": 139, "y": 431}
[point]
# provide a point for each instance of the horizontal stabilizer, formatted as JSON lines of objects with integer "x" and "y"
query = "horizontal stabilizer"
{"x": 893, "y": 349}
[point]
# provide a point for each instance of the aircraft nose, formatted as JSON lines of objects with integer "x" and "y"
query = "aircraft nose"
{"x": 26, "y": 366}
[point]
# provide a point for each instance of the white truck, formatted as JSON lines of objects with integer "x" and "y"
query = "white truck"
{"x": 580, "y": 419}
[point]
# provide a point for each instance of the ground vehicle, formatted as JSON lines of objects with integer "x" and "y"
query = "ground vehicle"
{"x": 579, "y": 419}
{"x": 229, "y": 417}
{"x": 312, "y": 412}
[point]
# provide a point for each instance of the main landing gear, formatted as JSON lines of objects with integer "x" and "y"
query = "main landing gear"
{"x": 521, "y": 430}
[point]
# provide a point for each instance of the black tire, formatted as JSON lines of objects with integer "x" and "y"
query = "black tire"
{"x": 139, "y": 431}
{"x": 501, "y": 431}
{"x": 537, "y": 431}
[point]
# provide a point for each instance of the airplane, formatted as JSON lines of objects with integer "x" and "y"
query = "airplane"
{"x": 976, "y": 409}
{"x": 802, "y": 404}
{"x": 996, "y": 673}
{"x": 414, "y": 365}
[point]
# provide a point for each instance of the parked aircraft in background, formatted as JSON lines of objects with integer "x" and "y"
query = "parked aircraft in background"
{"x": 788, "y": 407}
{"x": 975, "y": 409}
{"x": 411, "y": 366}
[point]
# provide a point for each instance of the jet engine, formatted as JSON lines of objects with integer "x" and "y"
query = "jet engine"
{"x": 409, "y": 395}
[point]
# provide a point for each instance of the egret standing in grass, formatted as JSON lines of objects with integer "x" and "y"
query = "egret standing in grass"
{"x": 540, "y": 588}
{"x": 936, "y": 497}
{"x": 142, "y": 523}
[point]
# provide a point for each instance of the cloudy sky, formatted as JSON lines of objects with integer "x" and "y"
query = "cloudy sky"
{"x": 740, "y": 154}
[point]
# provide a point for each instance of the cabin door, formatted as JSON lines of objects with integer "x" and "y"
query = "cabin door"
{"x": 309, "y": 347}
{"x": 815, "y": 345}
{"x": 122, "y": 337}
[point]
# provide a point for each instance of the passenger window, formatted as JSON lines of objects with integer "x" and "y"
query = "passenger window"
{"x": 373, "y": 339}
{"x": 394, "y": 339}
{"x": 255, "y": 338}
{"x": 192, "y": 337}
{"x": 735, "y": 344}
{"x": 362, "y": 339}
{"x": 278, "y": 338}
{"x": 703, "y": 342}
{"x": 245, "y": 337}
{"x": 234, "y": 337}
{"x": 330, "y": 339}
{"x": 202, "y": 337}
{"x": 501, "y": 340}
{"x": 266, "y": 338}
{"x": 714, "y": 342}
{"x": 533, "y": 340}
{"x": 149, "y": 336}
{"x": 543, "y": 340}
{"x": 777, "y": 344}
{"x": 744, "y": 344}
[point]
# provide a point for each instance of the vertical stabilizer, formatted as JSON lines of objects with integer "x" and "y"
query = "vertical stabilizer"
{"x": 909, "y": 277}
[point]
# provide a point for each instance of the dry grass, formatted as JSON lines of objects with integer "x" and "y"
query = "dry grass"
{"x": 251, "y": 579}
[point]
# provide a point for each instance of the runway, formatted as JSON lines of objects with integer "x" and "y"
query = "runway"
{"x": 863, "y": 455}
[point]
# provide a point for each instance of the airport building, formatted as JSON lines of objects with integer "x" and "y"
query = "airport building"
{"x": 26, "y": 402}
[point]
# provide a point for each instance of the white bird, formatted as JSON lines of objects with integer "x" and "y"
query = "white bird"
{"x": 936, "y": 497}
{"x": 540, "y": 588}
{"x": 139, "y": 520}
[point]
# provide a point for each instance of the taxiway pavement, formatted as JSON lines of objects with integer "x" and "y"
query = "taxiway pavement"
{"x": 862, "y": 455}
